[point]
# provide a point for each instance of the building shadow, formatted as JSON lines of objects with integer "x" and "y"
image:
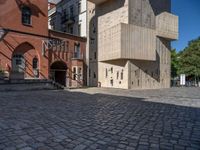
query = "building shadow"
{"x": 110, "y": 119}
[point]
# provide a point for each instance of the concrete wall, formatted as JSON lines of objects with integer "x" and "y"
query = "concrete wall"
{"x": 126, "y": 41}
{"x": 152, "y": 74}
{"x": 167, "y": 25}
{"x": 91, "y": 51}
{"x": 133, "y": 36}
{"x": 114, "y": 74}
{"x": 111, "y": 14}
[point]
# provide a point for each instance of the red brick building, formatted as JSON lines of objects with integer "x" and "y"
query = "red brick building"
{"x": 29, "y": 50}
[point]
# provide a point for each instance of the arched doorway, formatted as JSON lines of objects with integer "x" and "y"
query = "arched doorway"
{"x": 18, "y": 63}
{"x": 25, "y": 62}
{"x": 58, "y": 71}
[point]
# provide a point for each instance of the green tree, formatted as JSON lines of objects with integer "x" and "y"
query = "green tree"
{"x": 174, "y": 63}
{"x": 190, "y": 59}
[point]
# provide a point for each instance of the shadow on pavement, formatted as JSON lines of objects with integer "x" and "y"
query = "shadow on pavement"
{"x": 74, "y": 120}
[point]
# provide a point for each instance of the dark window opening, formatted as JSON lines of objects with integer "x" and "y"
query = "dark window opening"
{"x": 71, "y": 11}
{"x": 74, "y": 73}
{"x": 122, "y": 75}
{"x": 18, "y": 59}
{"x": 26, "y": 15}
{"x": 117, "y": 75}
{"x": 111, "y": 82}
{"x": 79, "y": 8}
{"x": 18, "y": 62}
{"x": 71, "y": 30}
{"x": 79, "y": 29}
{"x": 111, "y": 69}
{"x": 35, "y": 63}
{"x": 95, "y": 55}
{"x": 77, "y": 51}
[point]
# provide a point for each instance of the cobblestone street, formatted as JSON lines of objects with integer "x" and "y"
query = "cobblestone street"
{"x": 104, "y": 119}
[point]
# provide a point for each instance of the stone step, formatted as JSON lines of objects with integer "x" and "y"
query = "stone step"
{"x": 29, "y": 84}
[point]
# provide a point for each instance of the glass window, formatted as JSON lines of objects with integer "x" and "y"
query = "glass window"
{"x": 26, "y": 15}
{"x": 18, "y": 59}
{"x": 71, "y": 30}
{"x": 77, "y": 51}
{"x": 79, "y": 29}
{"x": 106, "y": 72}
{"x": 122, "y": 75}
{"x": 79, "y": 8}
{"x": 74, "y": 73}
{"x": 35, "y": 63}
{"x": 71, "y": 11}
{"x": 117, "y": 75}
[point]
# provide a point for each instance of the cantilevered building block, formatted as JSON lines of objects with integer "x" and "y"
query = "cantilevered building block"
{"x": 126, "y": 41}
{"x": 167, "y": 26}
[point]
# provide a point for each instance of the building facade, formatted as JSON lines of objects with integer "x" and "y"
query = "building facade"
{"x": 129, "y": 43}
{"x": 29, "y": 50}
{"x": 69, "y": 16}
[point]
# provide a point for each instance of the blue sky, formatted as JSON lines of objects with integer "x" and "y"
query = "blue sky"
{"x": 189, "y": 21}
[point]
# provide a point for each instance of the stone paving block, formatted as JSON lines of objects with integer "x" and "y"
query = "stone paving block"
{"x": 80, "y": 147}
{"x": 61, "y": 120}
{"x": 27, "y": 148}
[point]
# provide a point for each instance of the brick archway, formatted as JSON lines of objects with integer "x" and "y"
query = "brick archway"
{"x": 58, "y": 71}
{"x": 22, "y": 62}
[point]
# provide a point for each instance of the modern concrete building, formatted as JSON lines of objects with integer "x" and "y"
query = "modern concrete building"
{"x": 129, "y": 43}
{"x": 69, "y": 16}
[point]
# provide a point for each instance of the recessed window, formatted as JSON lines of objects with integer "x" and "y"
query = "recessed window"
{"x": 111, "y": 69}
{"x": 79, "y": 8}
{"x": 106, "y": 72}
{"x": 71, "y": 30}
{"x": 77, "y": 50}
{"x": 35, "y": 63}
{"x": 18, "y": 59}
{"x": 71, "y": 11}
{"x": 117, "y": 75}
{"x": 122, "y": 75}
{"x": 95, "y": 55}
{"x": 111, "y": 82}
{"x": 79, "y": 29}
{"x": 74, "y": 73}
{"x": 26, "y": 15}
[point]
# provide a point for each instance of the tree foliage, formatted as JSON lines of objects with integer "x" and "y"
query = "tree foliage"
{"x": 189, "y": 59}
{"x": 174, "y": 63}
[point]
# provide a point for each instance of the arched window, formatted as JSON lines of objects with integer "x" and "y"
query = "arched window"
{"x": 35, "y": 63}
{"x": 26, "y": 15}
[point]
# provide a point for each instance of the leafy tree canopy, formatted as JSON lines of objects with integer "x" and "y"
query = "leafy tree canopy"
{"x": 189, "y": 59}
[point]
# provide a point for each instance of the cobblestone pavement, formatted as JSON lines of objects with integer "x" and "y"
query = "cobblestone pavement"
{"x": 150, "y": 119}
